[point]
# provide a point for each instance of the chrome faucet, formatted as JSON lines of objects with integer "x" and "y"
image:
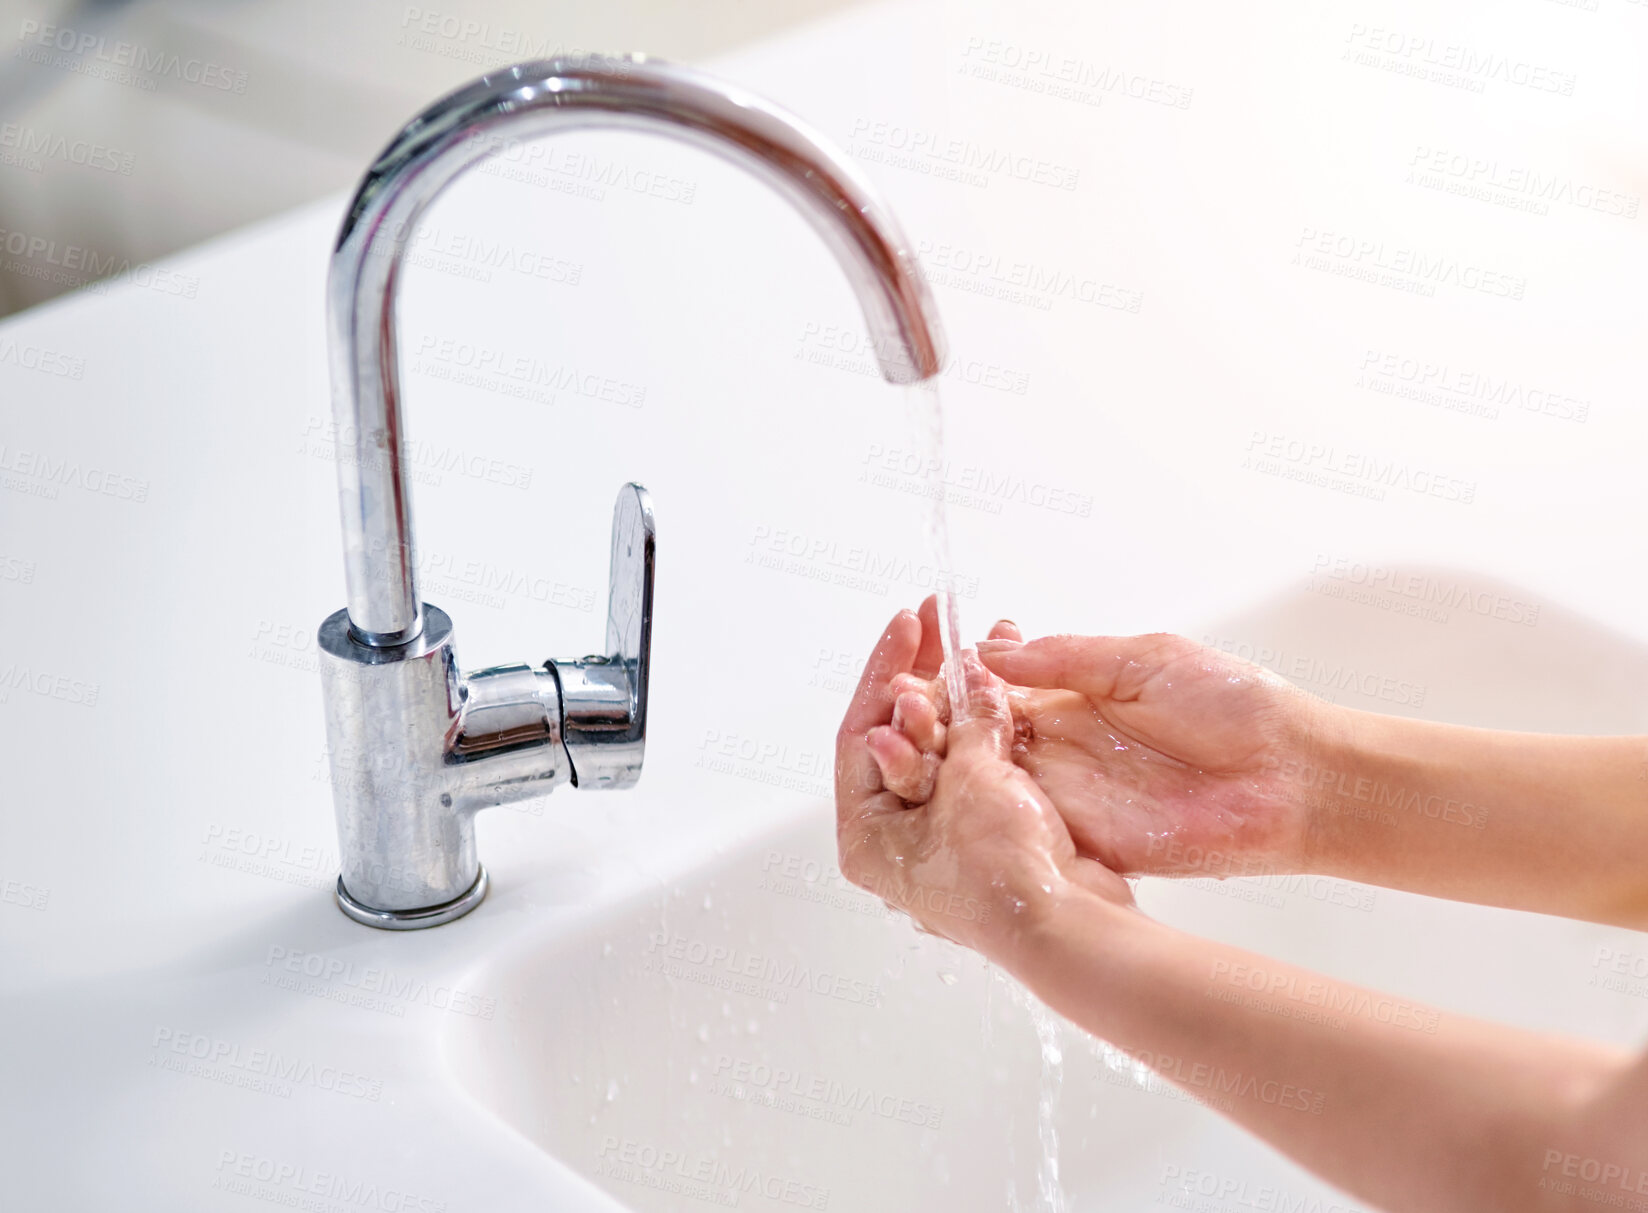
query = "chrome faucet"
{"x": 416, "y": 747}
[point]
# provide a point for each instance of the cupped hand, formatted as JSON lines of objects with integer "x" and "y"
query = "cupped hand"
{"x": 985, "y": 855}
{"x": 1163, "y": 756}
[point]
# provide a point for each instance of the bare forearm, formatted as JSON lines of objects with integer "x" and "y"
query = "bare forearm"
{"x": 1396, "y": 1103}
{"x": 1526, "y": 820}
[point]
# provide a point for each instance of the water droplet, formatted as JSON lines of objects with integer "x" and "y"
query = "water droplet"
{"x": 612, "y": 1090}
{"x": 947, "y": 977}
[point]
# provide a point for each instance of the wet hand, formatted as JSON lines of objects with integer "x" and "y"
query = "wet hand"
{"x": 1162, "y": 756}
{"x": 984, "y": 856}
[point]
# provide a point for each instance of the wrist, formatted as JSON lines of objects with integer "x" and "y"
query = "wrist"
{"x": 1064, "y": 919}
{"x": 1318, "y": 773}
{"x": 1342, "y": 785}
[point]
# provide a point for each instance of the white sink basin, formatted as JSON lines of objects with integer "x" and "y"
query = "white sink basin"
{"x": 764, "y": 1034}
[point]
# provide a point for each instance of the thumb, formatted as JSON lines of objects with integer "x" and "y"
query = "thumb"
{"x": 985, "y": 727}
{"x": 1100, "y": 667}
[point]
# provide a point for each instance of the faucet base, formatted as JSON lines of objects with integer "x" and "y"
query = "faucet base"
{"x": 413, "y": 920}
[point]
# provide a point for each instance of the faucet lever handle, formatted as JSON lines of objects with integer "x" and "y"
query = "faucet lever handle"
{"x": 604, "y": 697}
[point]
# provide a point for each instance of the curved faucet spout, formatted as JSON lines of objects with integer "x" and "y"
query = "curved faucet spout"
{"x": 525, "y": 102}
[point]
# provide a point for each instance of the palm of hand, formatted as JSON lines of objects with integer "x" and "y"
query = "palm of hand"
{"x": 1178, "y": 774}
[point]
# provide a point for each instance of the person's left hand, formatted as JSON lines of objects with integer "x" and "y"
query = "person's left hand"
{"x": 987, "y": 855}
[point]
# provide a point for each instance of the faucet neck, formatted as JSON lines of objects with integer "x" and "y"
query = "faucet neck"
{"x": 526, "y": 102}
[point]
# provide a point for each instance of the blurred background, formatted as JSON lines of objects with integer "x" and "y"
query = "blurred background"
{"x": 133, "y": 128}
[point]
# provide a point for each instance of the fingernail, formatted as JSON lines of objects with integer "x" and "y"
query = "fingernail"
{"x": 988, "y": 647}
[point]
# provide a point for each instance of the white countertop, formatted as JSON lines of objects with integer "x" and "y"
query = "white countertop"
{"x": 169, "y": 538}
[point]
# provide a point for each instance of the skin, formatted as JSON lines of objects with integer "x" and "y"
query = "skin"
{"x": 1078, "y": 753}
{"x": 1167, "y": 758}
{"x": 1163, "y": 756}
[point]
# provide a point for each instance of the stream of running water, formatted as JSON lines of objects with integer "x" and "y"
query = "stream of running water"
{"x": 926, "y": 413}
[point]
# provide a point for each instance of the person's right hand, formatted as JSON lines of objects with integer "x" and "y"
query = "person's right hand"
{"x": 1163, "y": 756}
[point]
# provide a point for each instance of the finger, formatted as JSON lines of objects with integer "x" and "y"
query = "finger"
{"x": 987, "y": 729}
{"x": 911, "y": 684}
{"x": 907, "y": 772}
{"x": 932, "y": 689}
{"x": 1006, "y": 629}
{"x": 857, "y": 779}
{"x": 1100, "y": 667}
{"x": 931, "y": 657}
{"x": 916, "y": 716}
